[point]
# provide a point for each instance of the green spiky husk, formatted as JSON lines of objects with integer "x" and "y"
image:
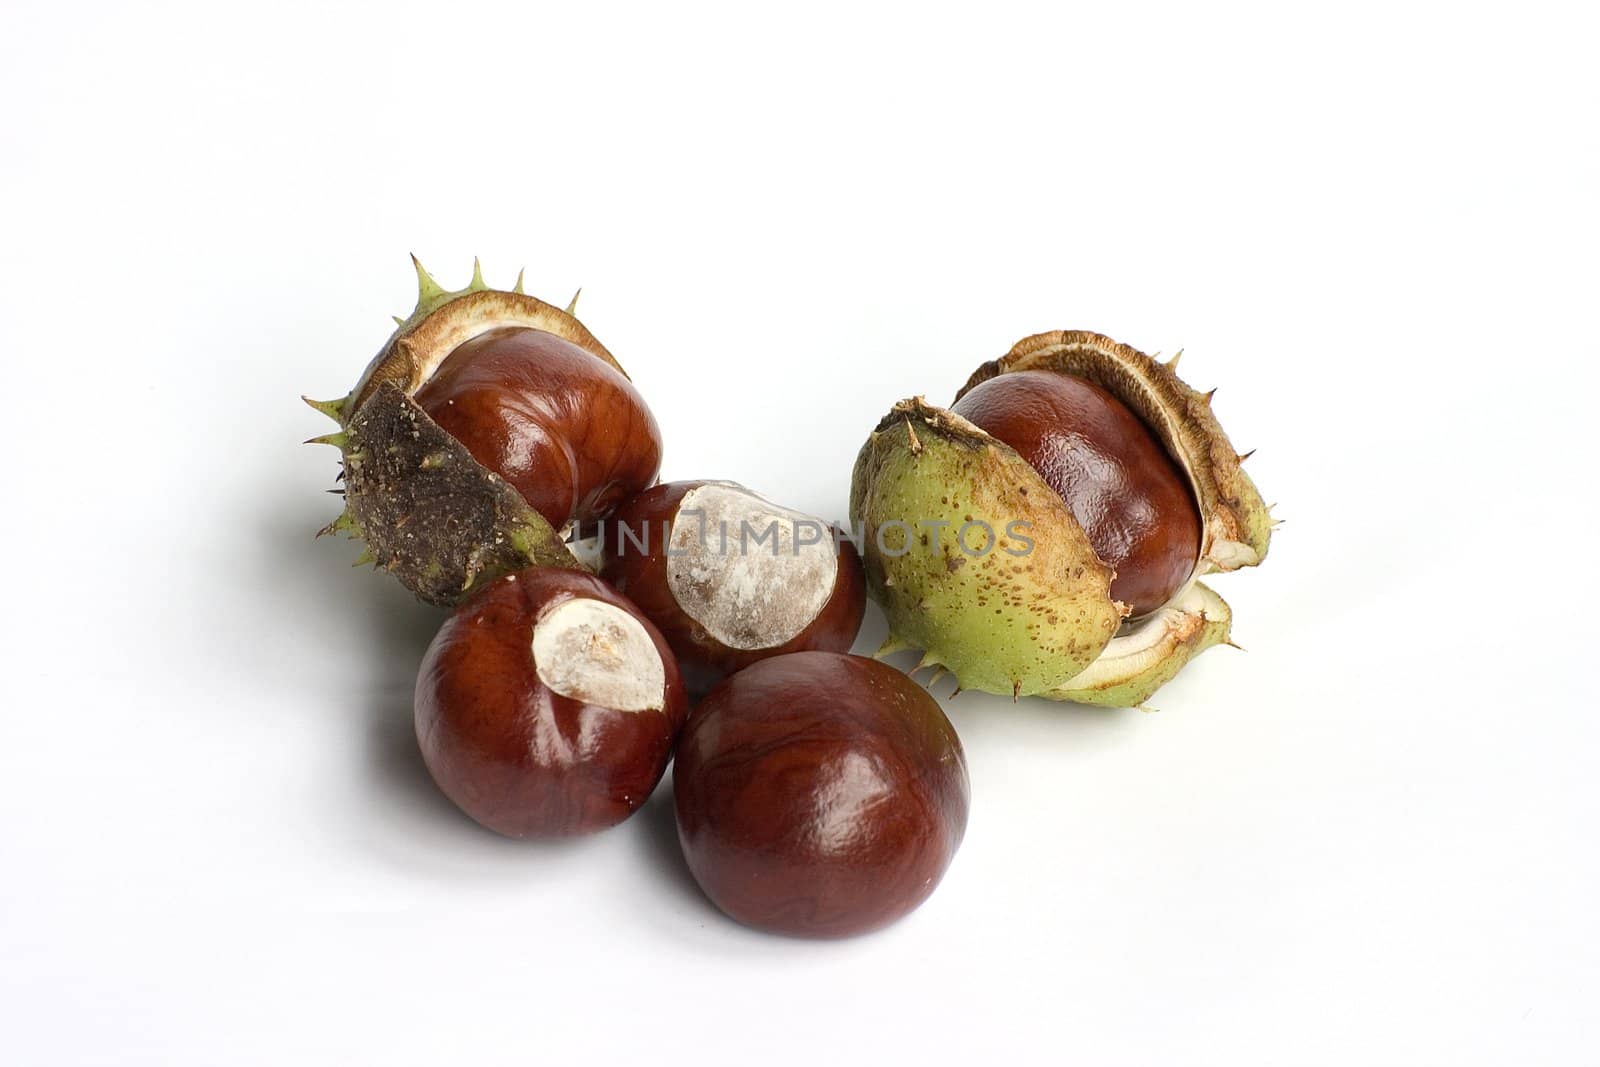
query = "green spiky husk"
{"x": 920, "y": 454}
{"x": 443, "y": 319}
{"x": 1011, "y": 621}
{"x": 427, "y": 511}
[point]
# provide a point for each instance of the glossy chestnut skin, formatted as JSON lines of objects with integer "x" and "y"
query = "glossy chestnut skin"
{"x": 642, "y": 575}
{"x": 1117, "y": 479}
{"x": 819, "y": 795}
{"x": 510, "y": 751}
{"x": 564, "y": 427}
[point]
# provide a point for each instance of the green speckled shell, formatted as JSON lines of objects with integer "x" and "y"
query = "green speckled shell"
{"x": 1019, "y": 619}
{"x": 1045, "y": 624}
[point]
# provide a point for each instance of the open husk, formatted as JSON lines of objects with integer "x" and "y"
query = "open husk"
{"x": 1043, "y": 622}
{"x": 1149, "y": 655}
{"x": 427, "y": 510}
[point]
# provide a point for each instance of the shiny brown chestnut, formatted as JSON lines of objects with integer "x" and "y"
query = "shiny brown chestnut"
{"x": 1122, "y": 486}
{"x": 547, "y": 705}
{"x": 731, "y": 578}
{"x": 568, "y": 431}
{"x": 819, "y": 795}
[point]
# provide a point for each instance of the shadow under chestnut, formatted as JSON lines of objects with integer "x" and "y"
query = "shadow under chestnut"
{"x": 993, "y": 725}
{"x": 654, "y": 830}
{"x": 410, "y": 822}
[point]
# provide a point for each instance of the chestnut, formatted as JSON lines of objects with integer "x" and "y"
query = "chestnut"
{"x": 548, "y": 706}
{"x": 819, "y": 795}
{"x": 1129, "y": 495}
{"x": 488, "y": 428}
{"x": 567, "y": 430}
{"x": 731, "y": 578}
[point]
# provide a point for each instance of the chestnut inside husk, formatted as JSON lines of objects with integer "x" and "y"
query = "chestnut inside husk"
{"x": 1035, "y": 615}
{"x": 1126, "y": 492}
{"x": 568, "y": 431}
{"x": 488, "y": 425}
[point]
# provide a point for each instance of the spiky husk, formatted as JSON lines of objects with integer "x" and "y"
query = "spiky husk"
{"x": 1015, "y": 624}
{"x": 1137, "y": 663}
{"x": 428, "y": 511}
{"x": 444, "y": 319}
{"x": 920, "y": 455}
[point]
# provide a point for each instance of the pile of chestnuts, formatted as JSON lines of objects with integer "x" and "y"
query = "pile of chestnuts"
{"x": 1042, "y": 536}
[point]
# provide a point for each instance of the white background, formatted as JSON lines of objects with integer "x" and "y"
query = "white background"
{"x": 1370, "y": 839}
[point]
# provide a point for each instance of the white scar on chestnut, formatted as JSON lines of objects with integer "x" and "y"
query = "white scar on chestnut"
{"x": 753, "y": 574}
{"x": 595, "y": 652}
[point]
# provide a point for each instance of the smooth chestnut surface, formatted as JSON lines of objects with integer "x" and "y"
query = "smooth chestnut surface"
{"x": 567, "y": 429}
{"x": 762, "y": 605}
{"x": 819, "y": 795}
{"x": 1120, "y": 483}
{"x": 506, "y": 744}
